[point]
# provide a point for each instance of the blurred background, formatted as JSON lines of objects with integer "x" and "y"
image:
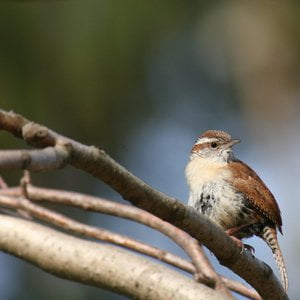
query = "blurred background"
{"x": 142, "y": 79}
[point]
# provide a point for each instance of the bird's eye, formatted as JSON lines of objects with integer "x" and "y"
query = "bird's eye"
{"x": 214, "y": 145}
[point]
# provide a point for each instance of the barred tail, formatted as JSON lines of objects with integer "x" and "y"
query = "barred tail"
{"x": 270, "y": 236}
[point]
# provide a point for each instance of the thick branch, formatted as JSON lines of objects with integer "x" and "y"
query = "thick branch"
{"x": 100, "y": 265}
{"x": 99, "y": 164}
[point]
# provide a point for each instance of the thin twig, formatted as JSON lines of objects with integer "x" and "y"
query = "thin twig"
{"x": 3, "y": 184}
{"x": 76, "y": 227}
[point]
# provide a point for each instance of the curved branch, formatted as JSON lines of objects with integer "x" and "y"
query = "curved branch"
{"x": 205, "y": 273}
{"x": 96, "y": 204}
{"x": 100, "y": 165}
{"x": 104, "y": 266}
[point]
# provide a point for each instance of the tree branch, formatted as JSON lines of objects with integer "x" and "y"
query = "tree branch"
{"x": 100, "y": 265}
{"x": 100, "y": 165}
{"x": 96, "y": 204}
{"x": 50, "y": 158}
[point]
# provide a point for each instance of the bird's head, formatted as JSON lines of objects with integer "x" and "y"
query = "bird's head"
{"x": 215, "y": 145}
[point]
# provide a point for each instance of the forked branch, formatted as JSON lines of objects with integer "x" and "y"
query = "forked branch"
{"x": 100, "y": 165}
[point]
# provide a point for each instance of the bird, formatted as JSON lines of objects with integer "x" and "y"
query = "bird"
{"x": 232, "y": 195}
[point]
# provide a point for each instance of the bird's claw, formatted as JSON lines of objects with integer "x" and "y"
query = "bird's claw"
{"x": 243, "y": 246}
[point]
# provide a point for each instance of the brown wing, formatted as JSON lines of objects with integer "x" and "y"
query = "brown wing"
{"x": 249, "y": 183}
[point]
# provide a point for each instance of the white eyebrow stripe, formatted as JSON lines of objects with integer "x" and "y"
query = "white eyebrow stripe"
{"x": 205, "y": 140}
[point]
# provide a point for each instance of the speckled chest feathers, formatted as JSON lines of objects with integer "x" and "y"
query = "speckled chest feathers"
{"x": 212, "y": 194}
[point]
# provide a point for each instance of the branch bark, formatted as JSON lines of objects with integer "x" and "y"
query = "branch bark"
{"x": 105, "y": 266}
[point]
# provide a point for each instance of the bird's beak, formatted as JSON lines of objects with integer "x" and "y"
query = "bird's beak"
{"x": 231, "y": 143}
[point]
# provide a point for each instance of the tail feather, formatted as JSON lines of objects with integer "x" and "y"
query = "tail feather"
{"x": 270, "y": 236}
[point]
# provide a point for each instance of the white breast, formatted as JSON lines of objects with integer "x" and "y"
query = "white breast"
{"x": 207, "y": 177}
{"x": 202, "y": 170}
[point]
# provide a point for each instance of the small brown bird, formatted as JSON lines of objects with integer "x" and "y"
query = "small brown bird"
{"x": 232, "y": 195}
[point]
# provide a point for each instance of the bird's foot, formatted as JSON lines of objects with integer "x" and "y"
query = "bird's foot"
{"x": 243, "y": 246}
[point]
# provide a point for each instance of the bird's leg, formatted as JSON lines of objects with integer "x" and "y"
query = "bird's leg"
{"x": 232, "y": 231}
